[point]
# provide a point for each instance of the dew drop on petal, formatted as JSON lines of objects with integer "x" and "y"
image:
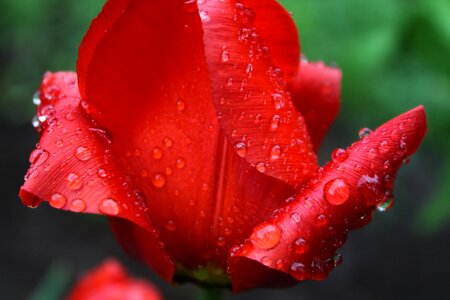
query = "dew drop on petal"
{"x": 278, "y": 101}
{"x": 158, "y": 180}
{"x": 275, "y": 122}
{"x": 171, "y": 226}
{"x": 363, "y": 132}
{"x": 299, "y": 271}
{"x": 77, "y": 205}
{"x": 204, "y": 16}
{"x": 321, "y": 220}
{"x": 83, "y": 153}
{"x": 109, "y": 207}
{"x": 36, "y": 98}
{"x": 261, "y": 167}
{"x": 157, "y": 153}
{"x": 275, "y": 153}
{"x": 266, "y": 236}
{"x": 339, "y": 155}
{"x": 241, "y": 149}
{"x": 57, "y": 200}
{"x": 180, "y": 105}
{"x": 180, "y": 163}
{"x": 336, "y": 191}
{"x": 101, "y": 173}
{"x": 225, "y": 56}
{"x": 301, "y": 246}
{"x": 167, "y": 142}
{"x": 38, "y": 157}
{"x": 74, "y": 181}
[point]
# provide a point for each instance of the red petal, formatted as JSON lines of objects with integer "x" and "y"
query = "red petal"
{"x": 255, "y": 111}
{"x": 301, "y": 239}
{"x": 152, "y": 93}
{"x": 278, "y": 32}
{"x": 316, "y": 93}
{"x": 73, "y": 167}
{"x": 109, "y": 281}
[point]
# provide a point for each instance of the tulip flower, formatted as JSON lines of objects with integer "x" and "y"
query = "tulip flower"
{"x": 109, "y": 281}
{"x": 194, "y": 126}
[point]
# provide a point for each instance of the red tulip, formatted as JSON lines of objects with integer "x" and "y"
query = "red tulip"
{"x": 109, "y": 281}
{"x": 195, "y": 131}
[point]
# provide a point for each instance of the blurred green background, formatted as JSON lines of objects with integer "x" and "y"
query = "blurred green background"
{"x": 394, "y": 54}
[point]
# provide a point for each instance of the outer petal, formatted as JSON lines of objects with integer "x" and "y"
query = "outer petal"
{"x": 316, "y": 92}
{"x": 301, "y": 239}
{"x": 279, "y": 33}
{"x": 153, "y": 94}
{"x": 74, "y": 169}
{"x": 255, "y": 111}
{"x": 109, "y": 281}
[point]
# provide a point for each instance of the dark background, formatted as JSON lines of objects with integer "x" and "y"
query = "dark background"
{"x": 394, "y": 55}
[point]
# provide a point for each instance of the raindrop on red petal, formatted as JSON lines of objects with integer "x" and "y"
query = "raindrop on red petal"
{"x": 266, "y": 236}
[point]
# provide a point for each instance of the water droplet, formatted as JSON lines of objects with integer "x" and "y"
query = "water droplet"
{"x": 74, "y": 181}
{"x": 266, "y": 236}
{"x": 301, "y": 246}
{"x": 267, "y": 261}
{"x": 70, "y": 116}
{"x": 338, "y": 259}
{"x": 171, "y": 226}
{"x": 204, "y": 16}
{"x": 229, "y": 83}
{"x": 385, "y": 205}
{"x": 59, "y": 143}
{"x": 109, "y": 207}
{"x": 157, "y": 153}
{"x": 336, "y": 191}
{"x": 363, "y": 132}
{"x": 168, "y": 171}
{"x": 321, "y": 220}
{"x": 275, "y": 122}
{"x": 241, "y": 149}
{"x": 370, "y": 188}
{"x": 83, "y": 153}
{"x": 205, "y": 186}
{"x": 299, "y": 271}
{"x": 102, "y": 173}
{"x": 158, "y": 180}
{"x": 383, "y": 147}
{"x": 278, "y": 101}
{"x": 143, "y": 173}
{"x": 167, "y": 142}
{"x": 275, "y": 153}
{"x": 36, "y": 123}
{"x": 38, "y": 157}
{"x": 225, "y": 57}
{"x": 339, "y": 155}
{"x": 181, "y": 163}
{"x": 180, "y": 105}
{"x": 261, "y": 167}
{"x": 57, "y": 200}
{"x": 36, "y": 98}
{"x": 77, "y": 205}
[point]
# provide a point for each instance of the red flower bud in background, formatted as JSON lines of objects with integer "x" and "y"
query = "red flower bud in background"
{"x": 109, "y": 281}
{"x": 194, "y": 126}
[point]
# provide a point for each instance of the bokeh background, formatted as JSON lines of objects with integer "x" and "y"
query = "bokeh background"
{"x": 395, "y": 54}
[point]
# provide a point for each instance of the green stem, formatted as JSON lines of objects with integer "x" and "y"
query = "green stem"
{"x": 209, "y": 294}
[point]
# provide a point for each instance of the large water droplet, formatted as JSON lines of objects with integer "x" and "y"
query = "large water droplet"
{"x": 109, "y": 207}
{"x": 336, "y": 191}
{"x": 74, "y": 181}
{"x": 38, "y": 157}
{"x": 241, "y": 149}
{"x": 158, "y": 180}
{"x": 83, "y": 153}
{"x": 266, "y": 236}
{"x": 57, "y": 200}
{"x": 102, "y": 173}
{"x": 339, "y": 155}
{"x": 363, "y": 132}
{"x": 77, "y": 205}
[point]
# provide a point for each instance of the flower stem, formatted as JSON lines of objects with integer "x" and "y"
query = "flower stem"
{"x": 209, "y": 294}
